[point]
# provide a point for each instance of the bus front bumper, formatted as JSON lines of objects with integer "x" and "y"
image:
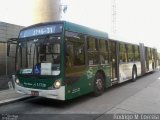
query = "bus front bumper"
{"x": 58, "y": 94}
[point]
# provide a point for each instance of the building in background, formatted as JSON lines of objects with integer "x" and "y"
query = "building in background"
{"x": 7, "y": 31}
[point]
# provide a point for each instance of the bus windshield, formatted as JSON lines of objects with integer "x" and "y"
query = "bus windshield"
{"x": 39, "y": 56}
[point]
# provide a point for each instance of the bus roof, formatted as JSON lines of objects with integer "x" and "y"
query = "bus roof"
{"x": 73, "y": 27}
{"x": 85, "y": 30}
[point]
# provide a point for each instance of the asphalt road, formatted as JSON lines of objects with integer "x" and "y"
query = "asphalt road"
{"x": 84, "y": 107}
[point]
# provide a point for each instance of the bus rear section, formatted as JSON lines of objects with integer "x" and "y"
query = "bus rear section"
{"x": 131, "y": 61}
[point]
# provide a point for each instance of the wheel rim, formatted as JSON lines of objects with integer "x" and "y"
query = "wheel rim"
{"x": 99, "y": 83}
{"x": 134, "y": 75}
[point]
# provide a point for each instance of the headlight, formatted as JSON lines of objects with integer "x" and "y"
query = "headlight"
{"x": 17, "y": 80}
{"x": 57, "y": 84}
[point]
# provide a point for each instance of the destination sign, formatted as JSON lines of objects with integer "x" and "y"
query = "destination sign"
{"x": 41, "y": 30}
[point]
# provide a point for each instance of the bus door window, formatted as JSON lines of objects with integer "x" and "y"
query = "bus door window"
{"x": 75, "y": 50}
{"x": 113, "y": 59}
{"x": 74, "y": 56}
{"x": 154, "y": 58}
{"x": 147, "y": 58}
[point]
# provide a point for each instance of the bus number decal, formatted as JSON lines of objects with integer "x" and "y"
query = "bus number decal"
{"x": 43, "y": 31}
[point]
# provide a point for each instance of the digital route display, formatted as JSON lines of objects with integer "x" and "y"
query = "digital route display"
{"x": 41, "y": 30}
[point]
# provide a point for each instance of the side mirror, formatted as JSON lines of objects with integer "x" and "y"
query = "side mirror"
{"x": 10, "y": 42}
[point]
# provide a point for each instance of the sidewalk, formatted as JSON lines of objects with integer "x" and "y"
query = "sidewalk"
{"x": 10, "y": 95}
{"x": 7, "y": 92}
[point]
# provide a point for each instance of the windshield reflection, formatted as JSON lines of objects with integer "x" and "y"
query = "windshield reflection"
{"x": 39, "y": 56}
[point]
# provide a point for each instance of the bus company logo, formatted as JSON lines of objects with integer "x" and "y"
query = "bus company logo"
{"x": 36, "y": 84}
{"x": 28, "y": 84}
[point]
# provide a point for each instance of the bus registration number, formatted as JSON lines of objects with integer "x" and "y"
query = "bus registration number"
{"x": 34, "y": 93}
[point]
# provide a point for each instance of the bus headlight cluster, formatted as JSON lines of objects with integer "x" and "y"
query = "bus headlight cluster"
{"x": 57, "y": 84}
{"x": 17, "y": 80}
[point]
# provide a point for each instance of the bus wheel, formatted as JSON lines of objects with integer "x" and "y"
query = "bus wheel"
{"x": 98, "y": 84}
{"x": 134, "y": 74}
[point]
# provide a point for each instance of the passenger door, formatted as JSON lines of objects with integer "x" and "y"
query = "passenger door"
{"x": 113, "y": 61}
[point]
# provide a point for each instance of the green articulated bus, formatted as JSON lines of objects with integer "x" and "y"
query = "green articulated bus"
{"x": 63, "y": 60}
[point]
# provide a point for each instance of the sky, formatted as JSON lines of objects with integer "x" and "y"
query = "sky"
{"x": 16, "y": 11}
{"x": 135, "y": 20}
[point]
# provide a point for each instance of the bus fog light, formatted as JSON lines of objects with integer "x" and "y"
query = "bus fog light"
{"x": 57, "y": 84}
{"x": 17, "y": 81}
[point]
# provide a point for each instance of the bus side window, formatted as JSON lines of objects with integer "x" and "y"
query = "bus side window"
{"x": 92, "y": 51}
{"x": 130, "y": 53}
{"x": 123, "y": 53}
{"x": 69, "y": 53}
{"x": 137, "y": 53}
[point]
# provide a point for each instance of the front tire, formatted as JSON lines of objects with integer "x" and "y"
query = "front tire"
{"x": 98, "y": 84}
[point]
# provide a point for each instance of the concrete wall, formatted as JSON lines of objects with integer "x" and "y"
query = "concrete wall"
{"x": 7, "y": 31}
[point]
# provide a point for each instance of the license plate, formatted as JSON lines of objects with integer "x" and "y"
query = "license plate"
{"x": 34, "y": 93}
